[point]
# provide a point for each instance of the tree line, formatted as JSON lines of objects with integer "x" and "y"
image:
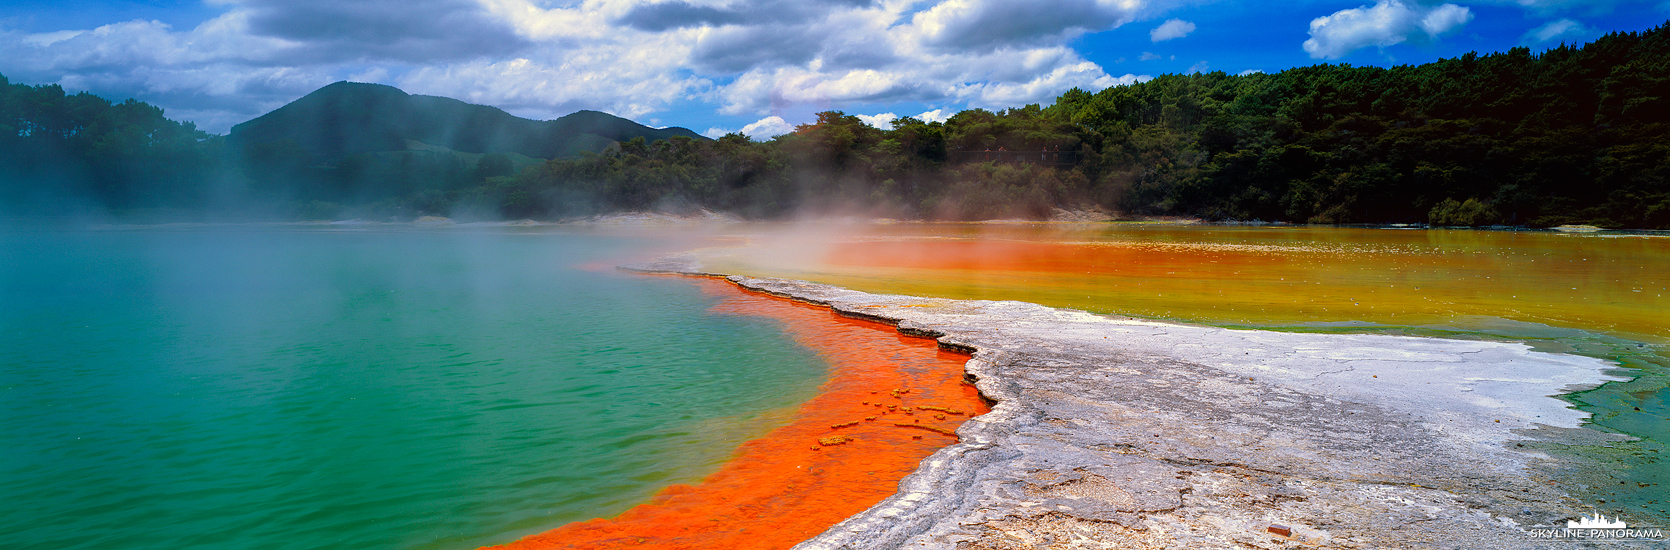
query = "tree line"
{"x": 55, "y": 145}
{"x": 1573, "y": 135}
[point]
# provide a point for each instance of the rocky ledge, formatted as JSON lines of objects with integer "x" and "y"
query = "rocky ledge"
{"x": 1110, "y": 432}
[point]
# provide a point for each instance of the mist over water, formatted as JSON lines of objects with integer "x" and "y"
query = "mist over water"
{"x": 288, "y": 387}
{"x": 394, "y": 386}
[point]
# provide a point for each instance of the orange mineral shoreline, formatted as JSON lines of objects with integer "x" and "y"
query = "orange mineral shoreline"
{"x": 891, "y": 400}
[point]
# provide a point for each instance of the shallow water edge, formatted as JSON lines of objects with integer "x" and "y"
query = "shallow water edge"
{"x": 1111, "y": 431}
{"x": 889, "y": 401}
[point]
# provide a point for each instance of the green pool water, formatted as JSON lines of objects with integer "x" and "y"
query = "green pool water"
{"x": 291, "y": 387}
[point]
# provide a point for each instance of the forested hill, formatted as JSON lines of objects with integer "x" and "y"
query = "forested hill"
{"x": 1571, "y": 135}
{"x": 1576, "y": 134}
{"x": 346, "y": 149}
{"x": 346, "y": 118}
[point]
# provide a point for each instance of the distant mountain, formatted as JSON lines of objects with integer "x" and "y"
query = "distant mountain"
{"x": 347, "y": 118}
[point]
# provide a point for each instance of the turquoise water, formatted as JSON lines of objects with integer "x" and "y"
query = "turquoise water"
{"x": 290, "y": 387}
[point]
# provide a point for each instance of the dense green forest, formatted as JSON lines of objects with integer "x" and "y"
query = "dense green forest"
{"x": 54, "y": 146}
{"x": 347, "y": 149}
{"x": 1573, "y": 135}
{"x": 1576, "y": 134}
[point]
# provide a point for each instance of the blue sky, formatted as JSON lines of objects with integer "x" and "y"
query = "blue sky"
{"x": 714, "y": 66}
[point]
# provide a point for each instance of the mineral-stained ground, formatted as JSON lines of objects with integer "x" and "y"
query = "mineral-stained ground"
{"x": 1110, "y": 432}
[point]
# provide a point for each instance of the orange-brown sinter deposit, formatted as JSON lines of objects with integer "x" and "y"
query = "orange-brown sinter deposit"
{"x": 1283, "y": 277}
{"x": 844, "y": 451}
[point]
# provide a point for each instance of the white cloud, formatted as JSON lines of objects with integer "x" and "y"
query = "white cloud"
{"x": 1009, "y": 79}
{"x": 45, "y": 39}
{"x": 627, "y": 80}
{"x": 1555, "y": 32}
{"x": 883, "y": 121}
{"x": 140, "y": 43}
{"x": 1445, "y": 18}
{"x": 996, "y": 95}
{"x": 1250, "y": 71}
{"x": 1386, "y": 23}
{"x": 632, "y": 58}
{"x": 1174, "y": 28}
{"x": 1001, "y": 78}
{"x": 767, "y": 128}
{"x": 216, "y": 74}
{"x": 759, "y": 130}
{"x": 936, "y": 115}
{"x": 638, "y": 58}
{"x": 1200, "y": 67}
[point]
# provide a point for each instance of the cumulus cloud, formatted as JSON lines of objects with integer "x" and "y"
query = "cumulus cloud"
{"x": 995, "y": 95}
{"x": 1443, "y": 19}
{"x": 1556, "y": 32}
{"x": 216, "y": 74}
{"x": 761, "y": 130}
{"x": 542, "y": 59}
{"x": 936, "y": 115}
{"x": 883, "y": 121}
{"x": 1386, "y": 23}
{"x": 49, "y": 38}
{"x": 540, "y": 89}
{"x": 760, "y": 59}
{"x": 1174, "y": 28}
{"x": 141, "y": 43}
{"x": 990, "y": 78}
{"x": 768, "y": 127}
{"x": 1200, "y": 67}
